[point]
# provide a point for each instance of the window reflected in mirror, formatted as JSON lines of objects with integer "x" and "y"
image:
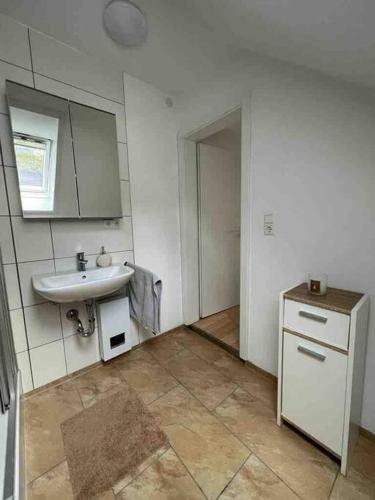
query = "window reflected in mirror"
{"x": 35, "y": 139}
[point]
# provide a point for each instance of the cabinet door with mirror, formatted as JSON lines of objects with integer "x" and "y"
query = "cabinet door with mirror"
{"x": 66, "y": 156}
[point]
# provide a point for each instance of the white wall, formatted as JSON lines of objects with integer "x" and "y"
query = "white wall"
{"x": 46, "y": 344}
{"x": 152, "y": 138}
{"x": 313, "y": 167}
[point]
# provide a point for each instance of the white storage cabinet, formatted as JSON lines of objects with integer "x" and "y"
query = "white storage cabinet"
{"x": 322, "y": 352}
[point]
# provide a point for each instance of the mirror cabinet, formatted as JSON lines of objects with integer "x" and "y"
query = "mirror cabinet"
{"x": 66, "y": 156}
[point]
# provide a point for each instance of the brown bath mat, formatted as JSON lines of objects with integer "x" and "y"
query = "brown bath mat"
{"x": 106, "y": 441}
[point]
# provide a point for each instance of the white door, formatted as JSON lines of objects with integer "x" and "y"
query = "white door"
{"x": 219, "y": 213}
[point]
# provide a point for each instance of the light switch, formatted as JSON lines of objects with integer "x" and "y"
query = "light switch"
{"x": 268, "y": 225}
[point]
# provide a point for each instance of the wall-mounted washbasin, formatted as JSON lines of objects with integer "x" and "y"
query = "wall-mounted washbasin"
{"x": 74, "y": 286}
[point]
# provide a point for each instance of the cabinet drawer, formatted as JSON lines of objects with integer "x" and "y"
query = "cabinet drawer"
{"x": 327, "y": 326}
{"x": 313, "y": 390}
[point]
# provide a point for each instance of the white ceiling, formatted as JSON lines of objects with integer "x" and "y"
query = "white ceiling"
{"x": 192, "y": 38}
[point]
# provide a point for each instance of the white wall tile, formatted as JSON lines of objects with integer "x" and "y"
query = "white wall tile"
{"x": 42, "y": 324}
{"x": 15, "y": 74}
{"x": 23, "y": 362}
{"x": 27, "y": 270}
{"x": 82, "y": 97}
{"x": 69, "y": 327}
{"x": 70, "y": 263}
{"x": 81, "y": 352}
{"x": 122, "y": 257}
{"x": 33, "y": 239}
{"x": 66, "y": 64}
{"x": 13, "y": 190}
{"x": 123, "y": 160}
{"x": 48, "y": 363}
{"x": 19, "y": 332}
{"x": 14, "y": 43}
{"x": 3, "y": 195}
{"x": 6, "y": 141}
{"x": 13, "y": 289}
{"x": 88, "y": 236}
{"x": 6, "y": 241}
{"x": 125, "y": 198}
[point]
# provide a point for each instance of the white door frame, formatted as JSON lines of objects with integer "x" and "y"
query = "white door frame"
{"x": 188, "y": 184}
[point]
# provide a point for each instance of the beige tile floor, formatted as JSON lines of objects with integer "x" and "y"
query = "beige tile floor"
{"x": 224, "y": 326}
{"x": 219, "y": 416}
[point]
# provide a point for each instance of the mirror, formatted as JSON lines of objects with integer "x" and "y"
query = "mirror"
{"x": 66, "y": 156}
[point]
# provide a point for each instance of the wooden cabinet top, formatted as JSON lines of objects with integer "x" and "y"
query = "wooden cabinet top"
{"x": 342, "y": 301}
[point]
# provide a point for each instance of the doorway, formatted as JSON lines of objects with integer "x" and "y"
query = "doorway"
{"x": 190, "y": 218}
{"x": 218, "y": 166}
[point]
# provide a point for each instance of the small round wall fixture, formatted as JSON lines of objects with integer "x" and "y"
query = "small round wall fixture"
{"x": 125, "y": 23}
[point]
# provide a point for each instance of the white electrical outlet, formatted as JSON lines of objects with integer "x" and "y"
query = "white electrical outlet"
{"x": 268, "y": 225}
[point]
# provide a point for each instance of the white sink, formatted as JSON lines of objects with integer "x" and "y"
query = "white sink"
{"x": 74, "y": 286}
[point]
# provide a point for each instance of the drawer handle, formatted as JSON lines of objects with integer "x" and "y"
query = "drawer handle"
{"x": 315, "y": 317}
{"x": 312, "y": 353}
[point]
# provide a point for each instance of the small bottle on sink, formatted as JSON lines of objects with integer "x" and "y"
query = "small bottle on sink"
{"x": 104, "y": 259}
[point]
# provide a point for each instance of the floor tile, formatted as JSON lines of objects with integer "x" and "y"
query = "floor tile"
{"x": 120, "y": 485}
{"x": 208, "y": 450}
{"x": 364, "y": 457}
{"x": 353, "y": 487}
{"x": 250, "y": 379}
{"x": 98, "y": 383}
{"x": 43, "y": 414}
{"x": 223, "y": 325}
{"x": 53, "y": 485}
{"x": 305, "y": 469}
{"x": 165, "y": 479}
{"x": 142, "y": 372}
{"x": 207, "y": 350}
{"x": 202, "y": 379}
{"x": 164, "y": 348}
{"x": 255, "y": 481}
{"x": 231, "y": 338}
{"x": 188, "y": 338}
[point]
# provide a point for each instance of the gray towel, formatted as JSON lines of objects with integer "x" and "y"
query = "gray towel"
{"x": 145, "y": 297}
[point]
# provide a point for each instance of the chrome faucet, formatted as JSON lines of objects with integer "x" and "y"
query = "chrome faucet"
{"x": 81, "y": 262}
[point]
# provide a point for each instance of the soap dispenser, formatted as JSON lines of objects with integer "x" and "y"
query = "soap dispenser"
{"x": 104, "y": 259}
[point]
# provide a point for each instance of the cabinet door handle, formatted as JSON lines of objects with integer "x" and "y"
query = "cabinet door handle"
{"x": 315, "y": 317}
{"x": 311, "y": 352}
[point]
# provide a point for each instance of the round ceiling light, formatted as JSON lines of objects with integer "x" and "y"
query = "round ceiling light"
{"x": 125, "y": 23}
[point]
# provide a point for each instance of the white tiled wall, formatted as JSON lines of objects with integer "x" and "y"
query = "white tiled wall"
{"x": 46, "y": 344}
